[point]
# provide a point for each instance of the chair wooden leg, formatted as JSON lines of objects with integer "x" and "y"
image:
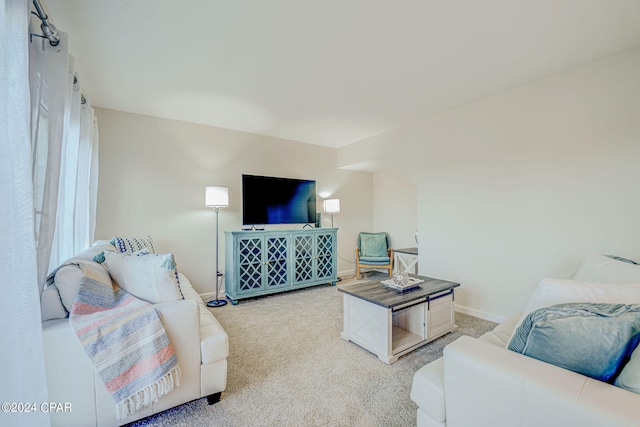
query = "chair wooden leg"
{"x": 358, "y": 271}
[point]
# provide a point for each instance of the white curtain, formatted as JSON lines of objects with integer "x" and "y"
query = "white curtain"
{"x": 77, "y": 196}
{"x": 66, "y": 139}
{"x": 50, "y": 96}
{"x": 22, "y": 373}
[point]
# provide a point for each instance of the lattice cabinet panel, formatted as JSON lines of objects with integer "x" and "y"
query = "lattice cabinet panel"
{"x": 325, "y": 262}
{"x": 264, "y": 262}
{"x": 276, "y": 262}
{"x": 250, "y": 263}
{"x": 303, "y": 257}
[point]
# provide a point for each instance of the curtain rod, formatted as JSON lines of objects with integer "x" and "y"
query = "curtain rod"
{"x": 50, "y": 32}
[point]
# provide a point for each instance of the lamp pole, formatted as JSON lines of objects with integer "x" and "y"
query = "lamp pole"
{"x": 217, "y": 198}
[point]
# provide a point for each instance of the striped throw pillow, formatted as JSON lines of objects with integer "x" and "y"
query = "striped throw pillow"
{"x": 133, "y": 244}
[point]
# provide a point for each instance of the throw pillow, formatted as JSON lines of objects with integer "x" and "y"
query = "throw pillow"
{"x": 133, "y": 244}
{"x": 604, "y": 269}
{"x": 373, "y": 245}
{"x": 148, "y": 276}
{"x": 591, "y": 339}
{"x": 559, "y": 291}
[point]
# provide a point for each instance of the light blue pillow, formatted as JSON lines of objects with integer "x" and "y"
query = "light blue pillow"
{"x": 373, "y": 245}
{"x": 592, "y": 339}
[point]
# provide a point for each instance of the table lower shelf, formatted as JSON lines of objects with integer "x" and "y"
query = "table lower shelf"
{"x": 401, "y": 339}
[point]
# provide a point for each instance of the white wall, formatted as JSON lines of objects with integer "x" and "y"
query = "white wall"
{"x": 395, "y": 208}
{"x": 153, "y": 173}
{"x": 522, "y": 185}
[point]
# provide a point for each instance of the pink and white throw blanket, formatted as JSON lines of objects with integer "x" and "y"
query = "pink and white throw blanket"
{"x": 124, "y": 338}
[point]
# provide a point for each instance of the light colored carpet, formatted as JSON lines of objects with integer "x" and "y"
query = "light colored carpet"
{"x": 288, "y": 366}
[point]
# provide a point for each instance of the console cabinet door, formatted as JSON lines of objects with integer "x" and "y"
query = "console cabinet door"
{"x": 325, "y": 267}
{"x": 276, "y": 262}
{"x": 303, "y": 258}
{"x": 249, "y": 264}
{"x": 314, "y": 257}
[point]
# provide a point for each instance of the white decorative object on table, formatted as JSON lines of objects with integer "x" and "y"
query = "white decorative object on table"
{"x": 408, "y": 283}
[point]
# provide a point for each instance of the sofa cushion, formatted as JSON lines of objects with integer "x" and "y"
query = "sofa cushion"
{"x": 427, "y": 389}
{"x": 557, "y": 291}
{"x": 67, "y": 278}
{"x": 378, "y": 260}
{"x": 502, "y": 333}
{"x": 607, "y": 269}
{"x": 51, "y": 306}
{"x": 629, "y": 378}
{"x": 148, "y": 276}
{"x": 133, "y": 244}
{"x": 588, "y": 338}
{"x": 214, "y": 341}
{"x": 67, "y": 281}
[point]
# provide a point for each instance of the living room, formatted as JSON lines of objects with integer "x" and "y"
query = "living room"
{"x": 505, "y": 182}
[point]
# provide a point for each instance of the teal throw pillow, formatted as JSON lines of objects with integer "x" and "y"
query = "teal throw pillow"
{"x": 373, "y": 245}
{"x": 592, "y": 339}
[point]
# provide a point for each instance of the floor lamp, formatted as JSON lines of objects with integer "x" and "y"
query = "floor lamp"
{"x": 331, "y": 206}
{"x": 217, "y": 198}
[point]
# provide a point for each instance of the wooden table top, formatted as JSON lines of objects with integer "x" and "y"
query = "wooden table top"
{"x": 377, "y": 293}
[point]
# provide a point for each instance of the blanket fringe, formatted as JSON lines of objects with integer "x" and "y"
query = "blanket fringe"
{"x": 149, "y": 394}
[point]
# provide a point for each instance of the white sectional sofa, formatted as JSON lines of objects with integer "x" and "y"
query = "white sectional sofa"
{"x": 479, "y": 382}
{"x": 200, "y": 343}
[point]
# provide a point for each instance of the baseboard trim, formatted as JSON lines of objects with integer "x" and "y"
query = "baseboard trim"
{"x": 209, "y": 295}
{"x": 479, "y": 313}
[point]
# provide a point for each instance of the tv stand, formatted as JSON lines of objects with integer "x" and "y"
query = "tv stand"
{"x": 266, "y": 262}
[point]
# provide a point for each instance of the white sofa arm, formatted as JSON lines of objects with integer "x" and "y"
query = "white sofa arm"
{"x": 181, "y": 320}
{"x": 487, "y": 385}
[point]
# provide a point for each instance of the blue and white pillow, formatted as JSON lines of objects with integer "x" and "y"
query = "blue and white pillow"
{"x": 592, "y": 339}
{"x": 133, "y": 244}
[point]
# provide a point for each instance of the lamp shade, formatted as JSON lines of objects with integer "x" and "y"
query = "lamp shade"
{"x": 216, "y": 197}
{"x": 331, "y": 205}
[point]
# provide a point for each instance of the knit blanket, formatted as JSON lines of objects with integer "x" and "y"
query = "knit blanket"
{"x": 124, "y": 338}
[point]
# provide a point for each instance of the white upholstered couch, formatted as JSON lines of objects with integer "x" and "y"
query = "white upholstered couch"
{"x": 479, "y": 382}
{"x": 200, "y": 343}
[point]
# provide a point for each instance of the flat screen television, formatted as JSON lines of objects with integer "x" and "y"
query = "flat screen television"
{"x": 271, "y": 200}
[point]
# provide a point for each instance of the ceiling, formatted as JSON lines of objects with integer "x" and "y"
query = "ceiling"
{"x": 327, "y": 72}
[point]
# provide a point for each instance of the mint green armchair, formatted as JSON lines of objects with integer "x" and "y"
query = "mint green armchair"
{"x": 374, "y": 251}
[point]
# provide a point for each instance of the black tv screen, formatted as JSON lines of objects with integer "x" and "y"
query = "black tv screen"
{"x": 271, "y": 200}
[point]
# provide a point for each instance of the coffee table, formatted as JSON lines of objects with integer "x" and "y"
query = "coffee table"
{"x": 391, "y": 323}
